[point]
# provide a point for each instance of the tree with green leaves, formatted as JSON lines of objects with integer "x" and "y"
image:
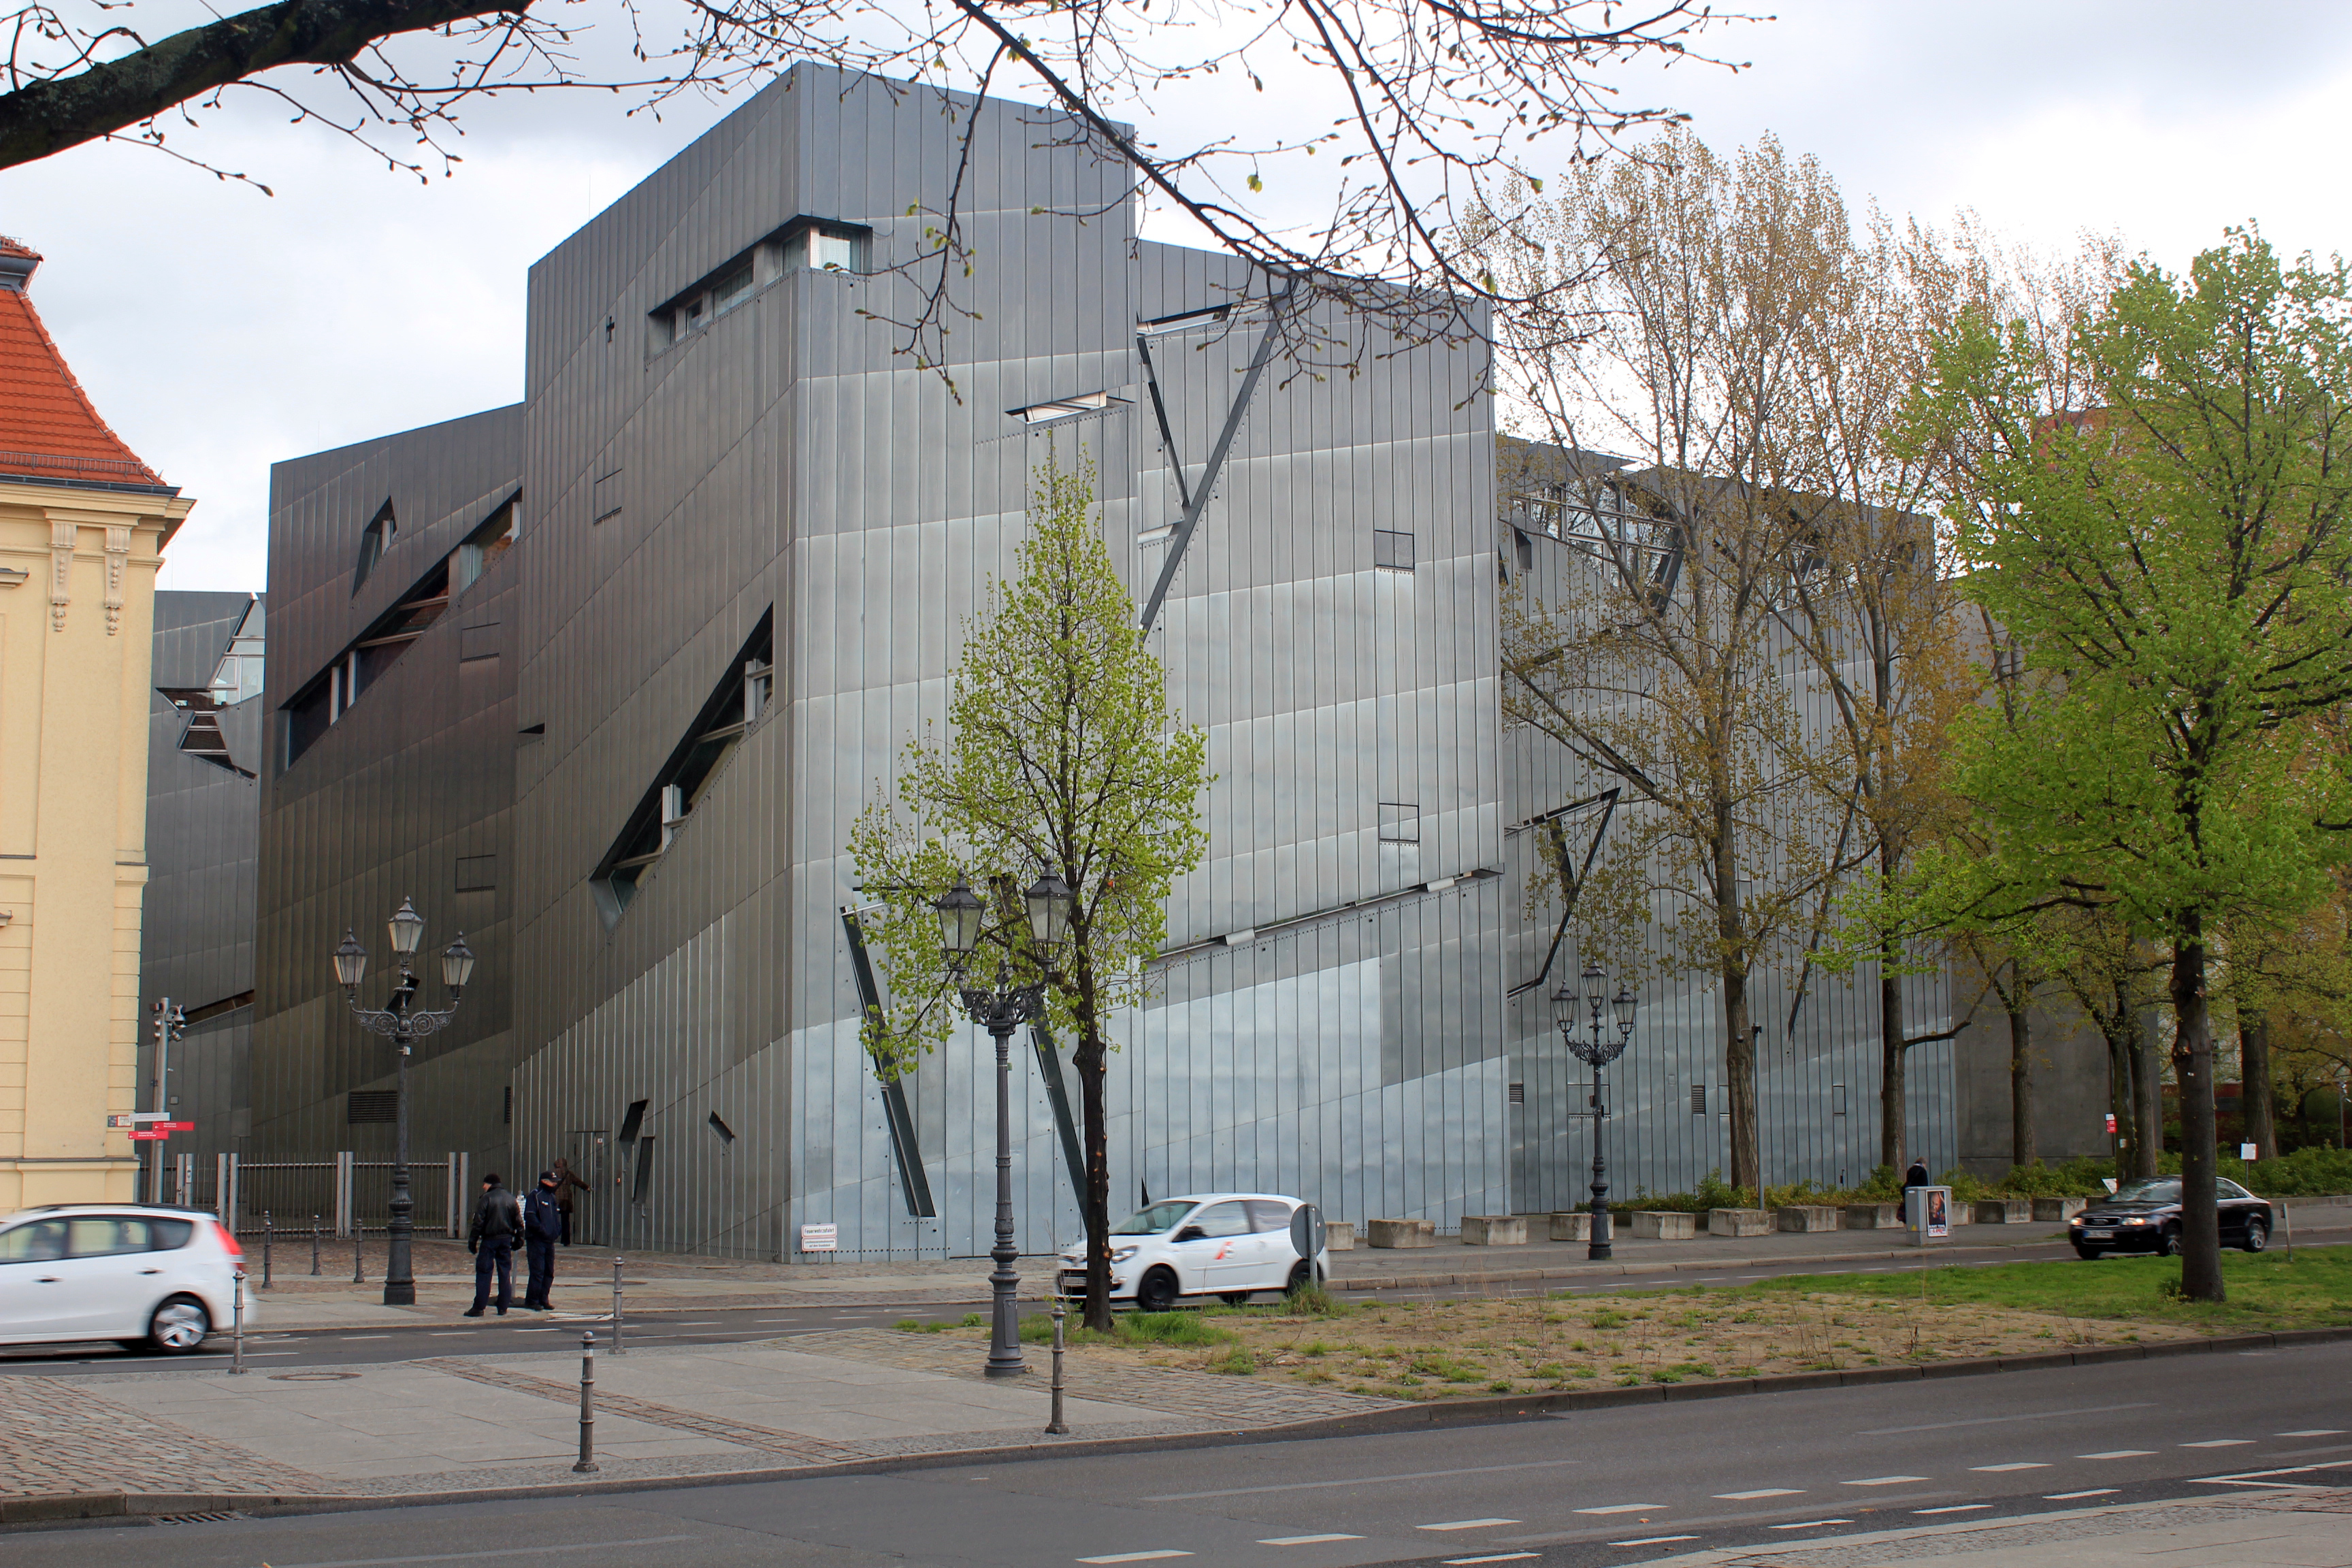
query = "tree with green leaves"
{"x": 1061, "y": 754}
{"x": 2170, "y": 564}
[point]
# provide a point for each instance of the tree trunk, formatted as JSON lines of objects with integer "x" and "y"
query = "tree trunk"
{"x": 1739, "y": 1073}
{"x": 1091, "y": 1059}
{"x": 2149, "y": 1072}
{"x": 2123, "y": 1086}
{"x": 1892, "y": 1123}
{"x": 2254, "y": 1084}
{"x": 2021, "y": 1069}
{"x": 2192, "y": 1068}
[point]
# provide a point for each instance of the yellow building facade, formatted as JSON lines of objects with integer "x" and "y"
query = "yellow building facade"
{"x": 82, "y": 527}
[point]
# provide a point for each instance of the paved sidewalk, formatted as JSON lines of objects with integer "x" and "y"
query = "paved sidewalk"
{"x": 2304, "y": 1529}
{"x": 470, "y": 1425}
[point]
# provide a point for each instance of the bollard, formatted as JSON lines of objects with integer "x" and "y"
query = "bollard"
{"x": 314, "y": 1247}
{"x": 359, "y": 1260}
{"x": 616, "y": 1303}
{"x": 587, "y": 1464}
{"x": 1057, "y": 1424}
{"x": 237, "y": 1326}
{"x": 265, "y": 1248}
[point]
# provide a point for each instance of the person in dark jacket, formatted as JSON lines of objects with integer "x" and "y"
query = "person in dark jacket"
{"x": 1917, "y": 1176}
{"x": 567, "y": 1181}
{"x": 543, "y": 1223}
{"x": 497, "y": 1220}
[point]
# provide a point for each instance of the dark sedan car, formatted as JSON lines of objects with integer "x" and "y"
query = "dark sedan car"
{"x": 2144, "y": 1216}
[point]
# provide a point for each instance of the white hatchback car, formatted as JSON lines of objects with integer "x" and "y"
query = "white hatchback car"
{"x": 144, "y": 1277}
{"x": 1210, "y": 1244}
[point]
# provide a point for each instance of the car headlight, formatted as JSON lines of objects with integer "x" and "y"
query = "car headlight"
{"x": 1120, "y": 1255}
{"x": 2135, "y": 1220}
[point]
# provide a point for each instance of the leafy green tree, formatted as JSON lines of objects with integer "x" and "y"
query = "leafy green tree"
{"x": 1062, "y": 754}
{"x": 2171, "y": 565}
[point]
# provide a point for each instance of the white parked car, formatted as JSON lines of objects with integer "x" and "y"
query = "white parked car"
{"x": 147, "y": 1278}
{"x": 1210, "y": 1244}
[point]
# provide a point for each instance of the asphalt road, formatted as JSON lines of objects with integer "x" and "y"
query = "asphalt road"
{"x": 1613, "y": 1486}
{"x": 721, "y": 1325}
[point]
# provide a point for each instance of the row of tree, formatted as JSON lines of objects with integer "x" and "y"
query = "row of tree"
{"x": 1930, "y": 601}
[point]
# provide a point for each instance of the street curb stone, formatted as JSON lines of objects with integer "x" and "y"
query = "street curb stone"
{"x": 68, "y": 1508}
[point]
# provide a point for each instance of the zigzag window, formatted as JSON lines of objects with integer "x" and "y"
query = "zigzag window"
{"x": 329, "y": 696}
{"x": 743, "y": 696}
{"x": 374, "y": 540}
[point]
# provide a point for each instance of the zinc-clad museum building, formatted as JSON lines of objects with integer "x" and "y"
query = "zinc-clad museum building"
{"x": 600, "y": 678}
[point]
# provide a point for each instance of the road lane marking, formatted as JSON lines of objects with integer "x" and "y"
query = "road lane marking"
{"x": 1996, "y": 1420}
{"x": 2315, "y": 1432}
{"x": 1624, "y": 1507}
{"x": 2119, "y": 1453}
{"x": 1997, "y": 1469}
{"x": 1136, "y": 1556}
{"x": 1496, "y": 1557}
{"x": 501, "y": 1551}
{"x": 1305, "y": 1539}
{"x": 349, "y": 1338}
{"x": 1884, "y": 1482}
{"x": 2069, "y": 1497}
{"x": 1809, "y": 1524}
{"x": 2220, "y": 1443}
{"x": 1954, "y": 1508}
{"x": 1359, "y": 1481}
{"x": 1467, "y": 1524}
{"x": 1652, "y": 1539}
{"x": 1761, "y": 1491}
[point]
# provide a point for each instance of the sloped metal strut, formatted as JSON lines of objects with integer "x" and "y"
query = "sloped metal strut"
{"x": 904, "y": 1147}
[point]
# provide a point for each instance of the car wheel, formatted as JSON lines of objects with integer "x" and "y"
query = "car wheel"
{"x": 1301, "y": 1277}
{"x": 2258, "y": 1235}
{"x": 179, "y": 1326}
{"x": 1156, "y": 1292}
{"x": 2168, "y": 1244}
{"x": 2089, "y": 1252}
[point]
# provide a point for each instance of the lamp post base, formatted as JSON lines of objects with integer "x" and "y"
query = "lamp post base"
{"x": 401, "y": 1295}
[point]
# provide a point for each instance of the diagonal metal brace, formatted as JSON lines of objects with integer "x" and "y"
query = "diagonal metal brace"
{"x": 1571, "y": 881}
{"x": 1277, "y": 307}
{"x": 904, "y": 1146}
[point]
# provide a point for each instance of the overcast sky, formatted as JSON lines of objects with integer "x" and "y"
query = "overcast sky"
{"x": 220, "y": 331}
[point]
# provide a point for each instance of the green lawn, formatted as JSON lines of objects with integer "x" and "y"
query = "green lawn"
{"x": 2265, "y": 1291}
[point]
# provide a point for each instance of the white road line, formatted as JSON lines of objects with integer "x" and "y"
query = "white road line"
{"x": 1467, "y": 1524}
{"x": 1305, "y": 1539}
{"x": 501, "y": 1551}
{"x": 1884, "y": 1482}
{"x": 2069, "y": 1497}
{"x": 1997, "y": 1420}
{"x": 1135, "y": 1556}
{"x": 2220, "y": 1443}
{"x": 1652, "y": 1539}
{"x": 2119, "y": 1453}
{"x": 1624, "y": 1507}
{"x": 1495, "y": 1557}
{"x": 1359, "y": 1481}
{"x": 1809, "y": 1524}
{"x": 1997, "y": 1469}
{"x": 2315, "y": 1432}
{"x": 1761, "y": 1491}
{"x": 349, "y": 1338}
{"x": 1954, "y": 1508}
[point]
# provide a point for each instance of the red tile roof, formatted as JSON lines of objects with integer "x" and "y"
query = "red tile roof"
{"x": 47, "y": 427}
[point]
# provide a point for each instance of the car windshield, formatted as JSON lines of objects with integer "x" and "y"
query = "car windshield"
{"x": 1153, "y": 1220}
{"x": 2159, "y": 1190}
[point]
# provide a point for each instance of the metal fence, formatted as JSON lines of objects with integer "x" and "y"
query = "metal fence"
{"x": 345, "y": 1192}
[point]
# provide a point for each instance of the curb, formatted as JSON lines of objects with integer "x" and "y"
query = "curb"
{"x": 1689, "y": 1266}
{"x": 67, "y": 1508}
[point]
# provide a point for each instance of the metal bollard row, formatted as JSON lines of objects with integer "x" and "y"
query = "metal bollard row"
{"x": 314, "y": 1247}
{"x": 587, "y": 1465}
{"x": 616, "y": 1303}
{"x": 237, "y": 1326}
{"x": 1058, "y": 1426}
{"x": 267, "y": 1236}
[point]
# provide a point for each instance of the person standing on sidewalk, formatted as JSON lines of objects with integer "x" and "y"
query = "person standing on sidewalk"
{"x": 566, "y": 1179}
{"x": 543, "y": 1222}
{"x": 497, "y": 1220}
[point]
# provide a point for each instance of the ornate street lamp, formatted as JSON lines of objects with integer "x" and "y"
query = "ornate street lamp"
{"x": 402, "y": 1023}
{"x": 1001, "y": 1008}
{"x": 1596, "y": 1052}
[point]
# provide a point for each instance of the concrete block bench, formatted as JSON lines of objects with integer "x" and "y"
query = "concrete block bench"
{"x": 1874, "y": 1216}
{"x": 1401, "y": 1232}
{"x": 1572, "y": 1227}
{"x": 1663, "y": 1225}
{"x": 2004, "y": 1211}
{"x": 1494, "y": 1230}
{"x": 1809, "y": 1218}
{"x": 2058, "y": 1209}
{"x": 1738, "y": 1222}
{"x": 1340, "y": 1235}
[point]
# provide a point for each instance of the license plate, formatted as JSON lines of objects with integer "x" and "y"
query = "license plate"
{"x": 2098, "y": 1235}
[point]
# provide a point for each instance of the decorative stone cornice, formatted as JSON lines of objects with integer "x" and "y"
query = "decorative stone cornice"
{"x": 117, "y": 556}
{"x": 62, "y": 549}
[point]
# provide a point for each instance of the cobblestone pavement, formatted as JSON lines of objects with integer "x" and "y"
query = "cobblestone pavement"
{"x": 57, "y": 1436}
{"x": 1222, "y": 1402}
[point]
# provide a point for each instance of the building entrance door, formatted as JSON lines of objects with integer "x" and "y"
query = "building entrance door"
{"x": 586, "y": 1151}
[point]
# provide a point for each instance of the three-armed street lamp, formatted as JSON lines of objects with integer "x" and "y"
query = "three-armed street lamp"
{"x": 402, "y": 1023}
{"x": 1596, "y": 1053}
{"x": 1000, "y": 1009}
